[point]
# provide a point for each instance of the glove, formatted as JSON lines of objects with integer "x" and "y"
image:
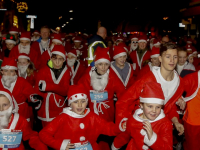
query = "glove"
{"x": 38, "y": 97}
{"x": 40, "y": 86}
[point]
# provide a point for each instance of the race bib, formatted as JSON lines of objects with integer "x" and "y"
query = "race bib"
{"x": 98, "y": 96}
{"x": 10, "y": 138}
{"x": 84, "y": 147}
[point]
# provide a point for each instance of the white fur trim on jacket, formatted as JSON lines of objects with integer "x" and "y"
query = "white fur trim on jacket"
{"x": 151, "y": 141}
{"x": 64, "y": 144}
{"x": 120, "y": 124}
{"x": 43, "y": 85}
{"x": 113, "y": 147}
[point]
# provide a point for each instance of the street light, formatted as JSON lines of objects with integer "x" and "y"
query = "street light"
{"x": 71, "y": 11}
{"x": 67, "y": 22}
{"x": 71, "y": 18}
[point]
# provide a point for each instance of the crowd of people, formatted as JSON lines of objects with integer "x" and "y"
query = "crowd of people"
{"x": 93, "y": 92}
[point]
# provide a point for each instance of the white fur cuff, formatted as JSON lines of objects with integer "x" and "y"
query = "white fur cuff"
{"x": 120, "y": 124}
{"x": 64, "y": 144}
{"x": 113, "y": 147}
{"x": 43, "y": 85}
{"x": 151, "y": 141}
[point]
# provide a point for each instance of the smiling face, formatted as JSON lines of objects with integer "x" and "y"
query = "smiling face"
{"x": 142, "y": 45}
{"x": 79, "y": 106}
{"x": 150, "y": 111}
{"x": 120, "y": 61}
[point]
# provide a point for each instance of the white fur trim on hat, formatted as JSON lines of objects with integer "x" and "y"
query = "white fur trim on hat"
{"x": 155, "y": 55}
{"x": 119, "y": 40}
{"x": 142, "y": 41}
{"x": 13, "y": 32}
{"x": 77, "y": 40}
{"x": 134, "y": 38}
{"x": 26, "y": 39}
{"x": 57, "y": 41}
{"x": 9, "y": 67}
{"x": 156, "y": 44}
{"x": 59, "y": 53}
{"x": 72, "y": 54}
{"x": 152, "y": 100}
{"x": 195, "y": 52}
{"x": 77, "y": 97}
{"x": 119, "y": 55}
{"x": 22, "y": 56}
{"x": 102, "y": 60}
{"x": 10, "y": 41}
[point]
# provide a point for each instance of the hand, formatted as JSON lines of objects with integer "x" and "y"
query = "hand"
{"x": 148, "y": 128}
{"x": 40, "y": 86}
{"x": 69, "y": 146}
{"x": 179, "y": 127}
{"x": 181, "y": 103}
{"x": 38, "y": 97}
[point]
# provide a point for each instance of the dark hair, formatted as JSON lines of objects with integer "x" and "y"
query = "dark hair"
{"x": 53, "y": 55}
{"x": 45, "y": 27}
{"x": 164, "y": 47}
{"x": 182, "y": 49}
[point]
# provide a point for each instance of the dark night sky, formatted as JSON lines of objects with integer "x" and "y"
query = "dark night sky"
{"x": 87, "y": 14}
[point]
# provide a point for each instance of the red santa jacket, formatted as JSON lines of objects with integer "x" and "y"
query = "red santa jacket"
{"x": 21, "y": 91}
{"x": 106, "y": 108}
{"x": 78, "y": 129}
{"x": 135, "y": 59}
{"x": 53, "y": 91}
{"x": 130, "y": 77}
{"x": 19, "y": 123}
{"x": 136, "y": 135}
{"x": 144, "y": 71}
{"x": 34, "y": 56}
{"x": 78, "y": 72}
{"x": 31, "y": 78}
{"x": 38, "y": 47}
{"x": 44, "y": 58}
{"x": 126, "y": 102}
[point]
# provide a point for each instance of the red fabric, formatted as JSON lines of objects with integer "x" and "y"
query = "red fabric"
{"x": 31, "y": 78}
{"x": 113, "y": 86}
{"x": 124, "y": 103}
{"x": 27, "y": 134}
{"x": 54, "y": 93}
{"x": 143, "y": 72}
{"x": 44, "y": 59}
{"x": 34, "y": 56}
{"x": 36, "y": 46}
{"x": 68, "y": 46}
{"x": 163, "y": 129}
{"x": 67, "y": 127}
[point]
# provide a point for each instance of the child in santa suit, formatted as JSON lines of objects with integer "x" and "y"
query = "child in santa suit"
{"x": 10, "y": 121}
{"x": 148, "y": 128}
{"x": 77, "y": 127}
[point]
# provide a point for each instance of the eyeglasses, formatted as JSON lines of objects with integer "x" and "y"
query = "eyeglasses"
{"x": 135, "y": 42}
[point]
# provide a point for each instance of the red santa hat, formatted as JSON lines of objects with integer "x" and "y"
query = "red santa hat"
{"x": 120, "y": 38}
{"x": 142, "y": 38}
{"x": 156, "y": 42}
{"x": 77, "y": 39}
{"x": 59, "y": 50}
{"x": 101, "y": 55}
{"x": 25, "y": 36}
{"x": 76, "y": 92}
{"x": 14, "y": 30}
{"x": 134, "y": 37}
{"x": 52, "y": 35}
{"x": 189, "y": 40}
{"x": 155, "y": 52}
{"x": 57, "y": 38}
{"x": 72, "y": 52}
{"x": 124, "y": 46}
{"x": 9, "y": 63}
{"x": 118, "y": 52}
{"x": 189, "y": 48}
{"x": 36, "y": 32}
{"x": 23, "y": 55}
{"x": 152, "y": 93}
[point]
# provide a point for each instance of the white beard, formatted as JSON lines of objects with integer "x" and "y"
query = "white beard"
{"x": 24, "y": 49}
{"x": 5, "y": 117}
{"x": 99, "y": 82}
{"x": 70, "y": 62}
{"x": 8, "y": 80}
{"x": 133, "y": 46}
{"x": 44, "y": 44}
{"x": 22, "y": 70}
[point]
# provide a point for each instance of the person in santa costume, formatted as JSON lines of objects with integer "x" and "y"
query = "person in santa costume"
{"x": 122, "y": 69}
{"x": 148, "y": 128}
{"x": 46, "y": 55}
{"x": 77, "y": 127}
{"x": 25, "y": 47}
{"x": 52, "y": 82}
{"x": 155, "y": 53}
{"x": 15, "y": 127}
{"x": 183, "y": 66}
{"x": 35, "y": 36}
{"x": 15, "y": 32}
{"x": 26, "y": 68}
{"x": 10, "y": 43}
{"x": 119, "y": 39}
{"x": 19, "y": 87}
{"x": 80, "y": 49}
{"x": 141, "y": 56}
{"x": 77, "y": 66}
{"x": 171, "y": 83}
{"x": 43, "y": 42}
{"x": 134, "y": 42}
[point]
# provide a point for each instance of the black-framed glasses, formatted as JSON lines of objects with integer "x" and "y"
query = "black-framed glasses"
{"x": 135, "y": 42}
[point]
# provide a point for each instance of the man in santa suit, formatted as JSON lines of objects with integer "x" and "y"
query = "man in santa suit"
{"x": 171, "y": 83}
{"x": 43, "y": 42}
{"x": 77, "y": 66}
{"x": 134, "y": 42}
{"x": 35, "y": 36}
{"x": 122, "y": 69}
{"x": 155, "y": 53}
{"x": 46, "y": 55}
{"x": 19, "y": 87}
{"x": 25, "y": 47}
{"x": 52, "y": 82}
{"x": 13, "y": 123}
{"x": 141, "y": 55}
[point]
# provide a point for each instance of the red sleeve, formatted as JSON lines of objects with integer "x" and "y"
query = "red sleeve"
{"x": 173, "y": 112}
{"x": 13, "y": 53}
{"x": 39, "y": 76}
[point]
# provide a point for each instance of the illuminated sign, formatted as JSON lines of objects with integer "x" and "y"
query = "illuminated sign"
{"x": 22, "y": 7}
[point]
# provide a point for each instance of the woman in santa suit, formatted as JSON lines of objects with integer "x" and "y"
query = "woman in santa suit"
{"x": 77, "y": 127}
{"x": 14, "y": 127}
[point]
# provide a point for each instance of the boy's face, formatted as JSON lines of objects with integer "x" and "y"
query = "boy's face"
{"x": 155, "y": 61}
{"x": 79, "y": 106}
{"x": 57, "y": 61}
{"x": 102, "y": 67}
{"x": 169, "y": 59}
{"x": 182, "y": 57}
{"x": 121, "y": 60}
{"x": 151, "y": 111}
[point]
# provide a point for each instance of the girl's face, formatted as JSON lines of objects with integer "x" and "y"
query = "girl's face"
{"x": 79, "y": 106}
